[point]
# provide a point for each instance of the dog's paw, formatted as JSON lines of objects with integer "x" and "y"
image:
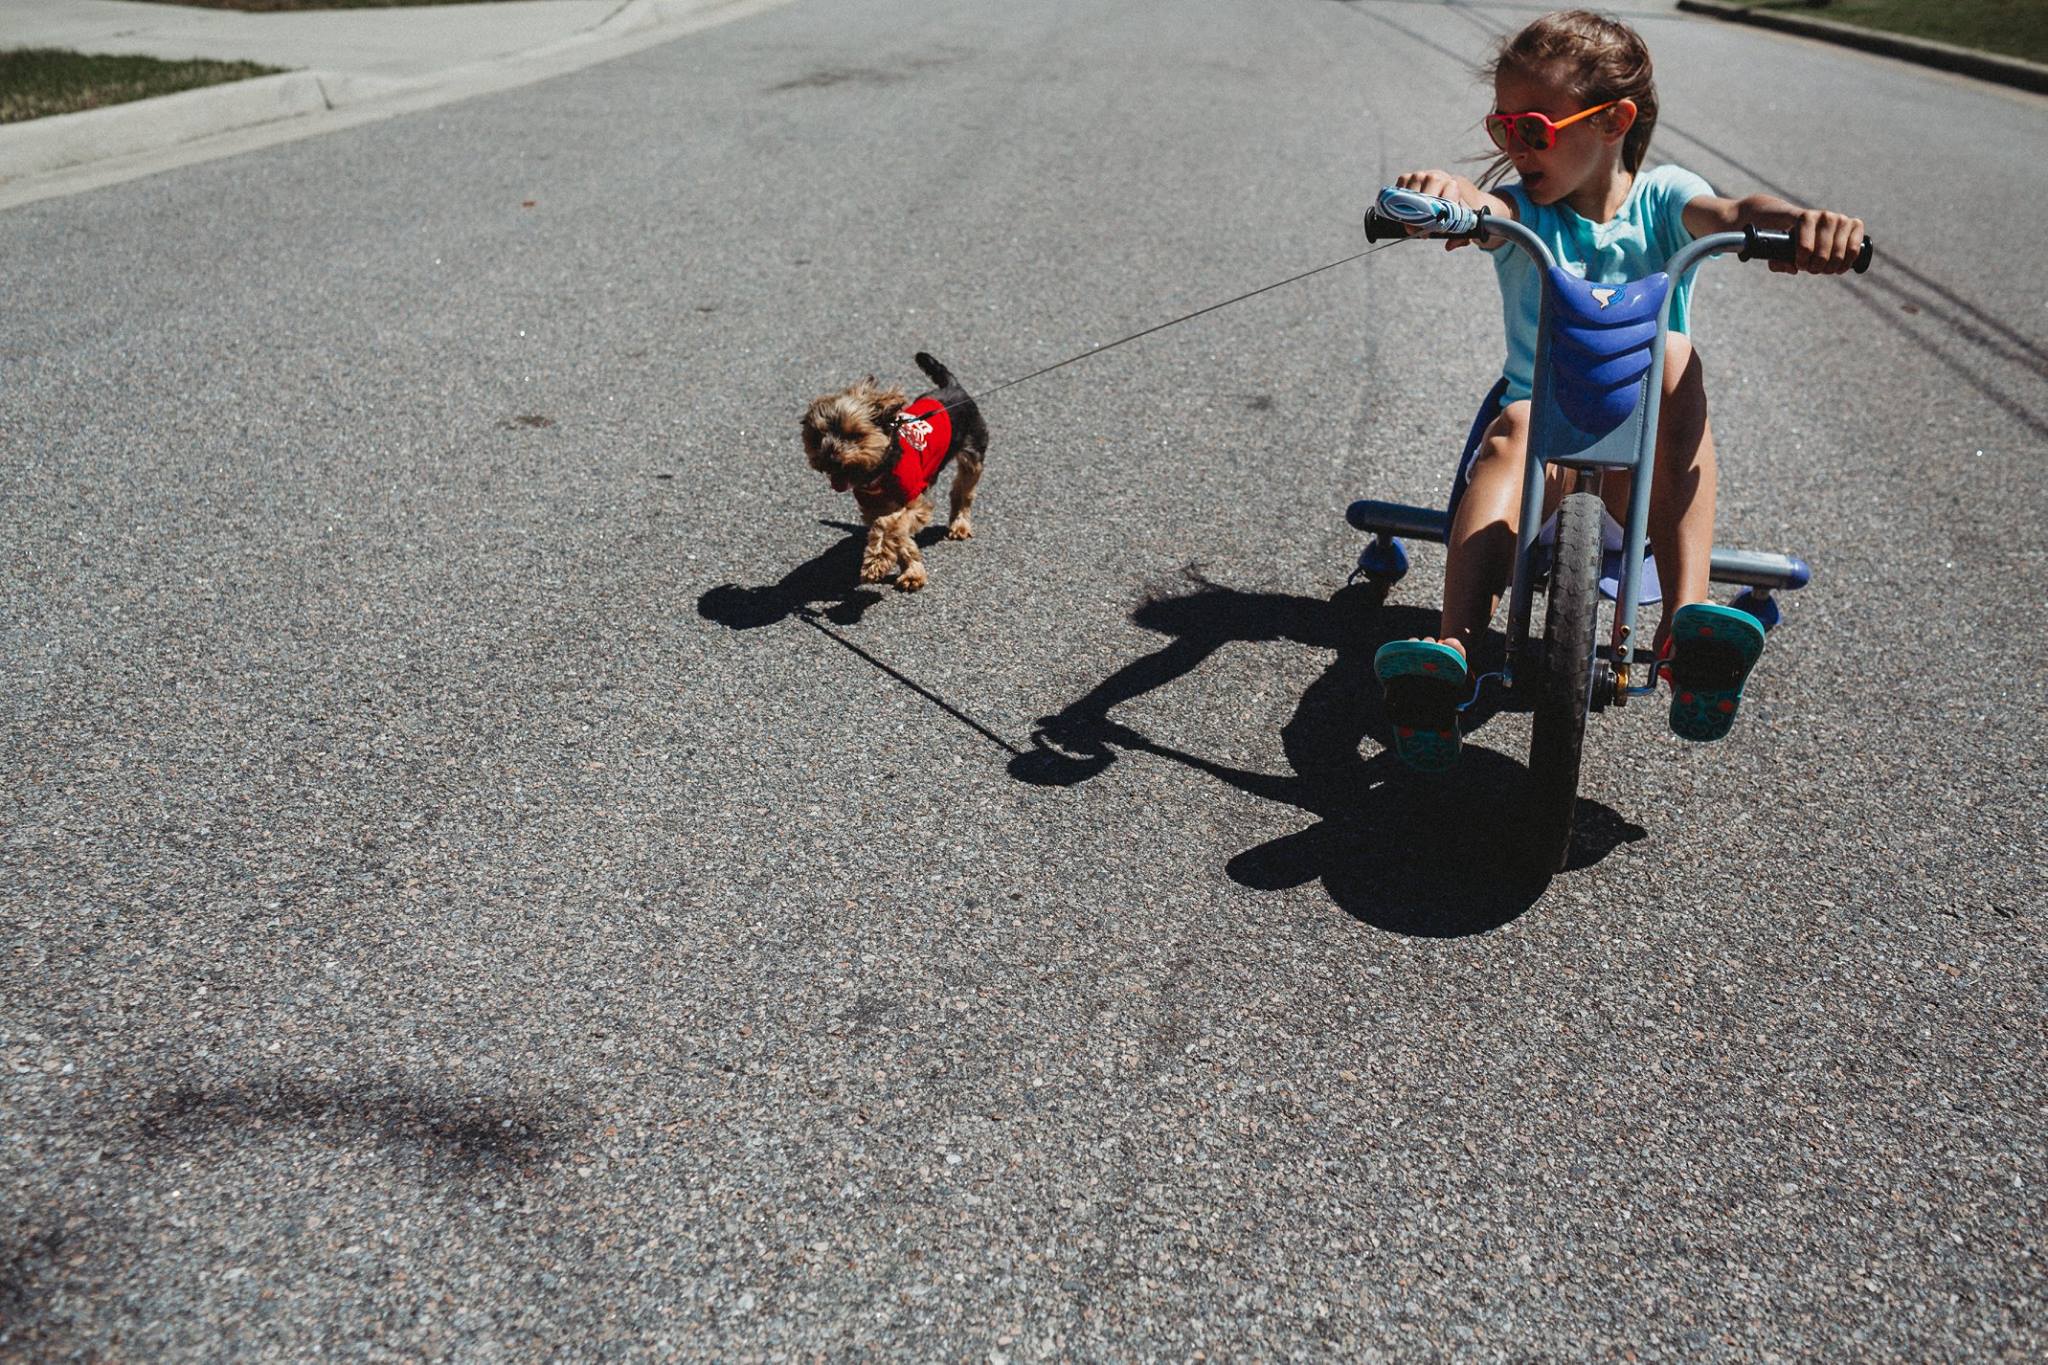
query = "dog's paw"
{"x": 912, "y": 579}
{"x": 962, "y": 529}
{"x": 874, "y": 570}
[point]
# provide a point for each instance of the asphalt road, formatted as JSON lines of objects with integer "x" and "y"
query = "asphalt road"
{"x": 480, "y": 882}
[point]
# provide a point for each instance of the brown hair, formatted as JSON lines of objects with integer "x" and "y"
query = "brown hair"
{"x": 1597, "y": 59}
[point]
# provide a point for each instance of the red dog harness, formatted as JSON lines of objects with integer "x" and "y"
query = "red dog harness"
{"x": 924, "y": 440}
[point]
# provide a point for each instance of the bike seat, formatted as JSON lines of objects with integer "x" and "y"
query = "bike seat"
{"x": 1593, "y": 365}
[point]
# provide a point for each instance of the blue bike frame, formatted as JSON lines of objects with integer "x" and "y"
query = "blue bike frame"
{"x": 1595, "y": 407}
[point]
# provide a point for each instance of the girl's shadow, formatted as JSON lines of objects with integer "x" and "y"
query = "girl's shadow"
{"x": 832, "y": 580}
{"x": 1412, "y": 854}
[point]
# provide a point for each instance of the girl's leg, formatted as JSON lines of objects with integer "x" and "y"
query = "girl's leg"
{"x": 1682, "y": 493}
{"x": 1482, "y": 540}
{"x": 1711, "y": 663}
{"x": 1423, "y": 689}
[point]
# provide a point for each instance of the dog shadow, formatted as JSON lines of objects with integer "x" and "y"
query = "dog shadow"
{"x": 1396, "y": 849}
{"x": 828, "y": 585}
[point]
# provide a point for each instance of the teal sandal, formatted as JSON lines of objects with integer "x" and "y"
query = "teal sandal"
{"x": 1424, "y": 683}
{"x": 1712, "y": 649}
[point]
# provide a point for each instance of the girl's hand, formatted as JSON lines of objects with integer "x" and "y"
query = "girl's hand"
{"x": 1828, "y": 243}
{"x": 1824, "y": 243}
{"x": 1444, "y": 185}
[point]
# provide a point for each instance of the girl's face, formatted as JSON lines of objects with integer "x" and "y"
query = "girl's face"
{"x": 1584, "y": 156}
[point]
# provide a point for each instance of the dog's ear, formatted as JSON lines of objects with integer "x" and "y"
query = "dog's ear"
{"x": 881, "y": 402}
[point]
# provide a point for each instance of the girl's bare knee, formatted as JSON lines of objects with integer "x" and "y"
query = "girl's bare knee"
{"x": 1505, "y": 443}
{"x": 1494, "y": 460}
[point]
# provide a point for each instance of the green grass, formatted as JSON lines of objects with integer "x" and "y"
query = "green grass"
{"x": 2016, "y": 28}
{"x": 37, "y": 81}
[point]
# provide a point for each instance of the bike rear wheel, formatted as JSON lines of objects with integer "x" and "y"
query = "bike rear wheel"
{"x": 1571, "y": 623}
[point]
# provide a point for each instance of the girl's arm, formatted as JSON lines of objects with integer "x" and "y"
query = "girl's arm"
{"x": 1459, "y": 190}
{"x": 1828, "y": 241}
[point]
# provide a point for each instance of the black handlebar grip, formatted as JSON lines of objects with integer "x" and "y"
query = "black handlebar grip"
{"x": 1767, "y": 246}
{"x": 1379, "y": 227}
{"x": 1780, "y": 246}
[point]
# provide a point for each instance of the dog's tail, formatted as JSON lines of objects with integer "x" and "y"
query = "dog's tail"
{"x": 938, "y": 373}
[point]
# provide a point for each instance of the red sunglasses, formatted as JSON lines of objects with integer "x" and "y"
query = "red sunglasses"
{"x": 1534, "y": 131}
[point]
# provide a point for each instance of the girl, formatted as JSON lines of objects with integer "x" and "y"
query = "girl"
{"x": 1574, "y": 106}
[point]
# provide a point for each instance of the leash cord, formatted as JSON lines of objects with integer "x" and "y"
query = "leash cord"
{"x": 810, "y": 617}
{"x": 1185, "y": 317}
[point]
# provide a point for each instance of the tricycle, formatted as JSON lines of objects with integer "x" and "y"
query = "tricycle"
{"x": 1598, "y": 378}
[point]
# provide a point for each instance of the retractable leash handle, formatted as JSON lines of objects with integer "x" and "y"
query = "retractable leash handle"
{"x": 1398, "y": 212}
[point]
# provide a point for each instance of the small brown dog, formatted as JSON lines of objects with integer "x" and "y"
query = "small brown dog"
{"x": 888, "y": 451}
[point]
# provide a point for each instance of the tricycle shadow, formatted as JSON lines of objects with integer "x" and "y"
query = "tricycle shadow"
{"x": 1416, "y": 855}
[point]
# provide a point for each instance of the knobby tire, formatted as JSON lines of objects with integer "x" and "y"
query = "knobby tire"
{"x": 1571, "y": 623}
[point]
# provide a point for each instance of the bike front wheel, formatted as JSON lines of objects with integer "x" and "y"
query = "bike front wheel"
{"x": 1571, "y": 624}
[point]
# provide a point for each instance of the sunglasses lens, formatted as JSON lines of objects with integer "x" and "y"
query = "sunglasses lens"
{"x": 1497, "y": 129}
{"x": 1534, "y": 131}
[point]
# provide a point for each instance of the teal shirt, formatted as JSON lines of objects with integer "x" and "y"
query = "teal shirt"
{"x": 1636, "y": 242}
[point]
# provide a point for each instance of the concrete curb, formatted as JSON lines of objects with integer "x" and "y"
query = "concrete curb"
{"x": 42, "y": 145}
{"x": 1984, "y": 66}
{"x": 65, "y": 142}
{"x": 345, "y": 90}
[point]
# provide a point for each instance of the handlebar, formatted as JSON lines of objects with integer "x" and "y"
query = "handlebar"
{"x": 1762, "y": 245}
{"x": 1398, "y": 211}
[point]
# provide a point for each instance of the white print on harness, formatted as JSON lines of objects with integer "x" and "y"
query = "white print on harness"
{"x": 1604, "y": 296}
{"x": 915, "y": 431}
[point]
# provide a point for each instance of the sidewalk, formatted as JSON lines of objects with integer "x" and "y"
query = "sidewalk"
{"x": 344, "y": 67}
{"x": 388, "y": 43}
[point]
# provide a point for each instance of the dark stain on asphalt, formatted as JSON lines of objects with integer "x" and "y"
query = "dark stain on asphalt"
{"x": 827, "y": 77}
{"x": 455, "y": 1139}
{"x": 866, "y": 1012}
{"x": 1260, "y": 402}
{"x": 531, "y": 419}
{"x": 23, "y": 1262}
{"x": 42, "y": 1285}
